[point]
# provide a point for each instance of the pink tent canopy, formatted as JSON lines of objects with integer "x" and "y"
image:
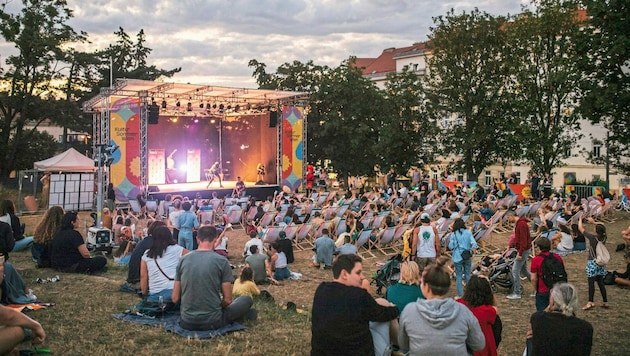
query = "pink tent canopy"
{"x": 68, "y": 161}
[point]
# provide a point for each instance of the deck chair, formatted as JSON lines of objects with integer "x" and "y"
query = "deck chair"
{"x": 303, "y": 236}
{"x": 251, "y": 214}
{"x": 341, "y": 227}
{"x": 378, "y": 220}
{"x": 400, "y": 231}
{"x": 362, "y": 240}
{"x": 135, "y": 206}
{"x": 342, "y": 210}
{"x": 385, "y": 242}
{"x": 291, "y": 231}
{"x": 206, "y": 216}
{"x": 321, "y": 199}
{"x": 271, "y": 234}
{"x": 267, "y": 219}
{"x": 235, "y": 216}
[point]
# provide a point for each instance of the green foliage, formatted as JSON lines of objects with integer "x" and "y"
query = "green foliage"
{"x": 465, "y": 89}
{"x": 543, "y": 63}
{"x": 37, "y": 146}
{"x": 604, "y": 47}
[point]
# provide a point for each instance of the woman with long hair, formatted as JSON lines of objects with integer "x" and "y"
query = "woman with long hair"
{"x": 159, "y": 264}
{"x": 407, "y": 289}
{"x": 44, "y": 233}
{"x": 133, "y": 274}
{"x": 426, "y": 321}
{"x": 461, "y": 240}
{"x": 478, "y": 297}
{"x": 244, "y": 285}
{"x": 68, "y": 250}
{"x": 594, "y": 272}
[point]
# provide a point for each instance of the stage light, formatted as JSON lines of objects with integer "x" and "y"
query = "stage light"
{"x": 236, "y": 108}
{"x": 200, "y": 105}
{"x": 163, "y": 104}
{"x": 189, "y": 106}
{"x": 214, "y": 106}
{"x": 196, "y": 120}
{"x": 212, "y": 121}
{"x": 229, "y": 106}
{"x": 178, "y": 104}
{"x": 244, "y": 147}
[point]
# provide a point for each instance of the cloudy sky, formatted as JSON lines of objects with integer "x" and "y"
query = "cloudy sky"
{"x": 213, "y": 40}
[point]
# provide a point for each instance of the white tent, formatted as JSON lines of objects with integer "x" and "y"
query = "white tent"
{"x": 68, "y": 161}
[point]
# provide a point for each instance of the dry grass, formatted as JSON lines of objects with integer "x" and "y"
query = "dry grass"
{"x": 81, "y": 321}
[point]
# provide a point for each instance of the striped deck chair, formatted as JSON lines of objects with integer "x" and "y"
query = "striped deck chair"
{"x": 366, "y": 220}
{"x": 321, "y": 199}
{"x": 341, "y": 227}
{"x": 362, "y": 240}
{"x": 378, "y": 220}
{"x": 385, "y": 241}
{"x": 267, "y": 219}
{"x": 496, "y": 220}
{"x": 206, "y": 216}
{"x": 303, "y": 235}
{"x": 271, "y": 234}
{"x": 342, "y": 210}
{"x": 291, "y": 231}
{"x": 251, "y": 213}
{"x": 533, "y": 209}
{"x": 235, "y": 216}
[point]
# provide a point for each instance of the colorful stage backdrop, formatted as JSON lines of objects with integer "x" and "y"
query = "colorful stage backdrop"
{"x": 292, "y": 141}
{"x": 125, "y": 133}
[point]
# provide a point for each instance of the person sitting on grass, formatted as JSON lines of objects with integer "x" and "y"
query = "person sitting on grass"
{"x": 69, "y": 252}
{"x": 623, "y": 277}
{"x": 244, "y": 285}
{"x": 277, "y": 265}
{"x": 123, "y": 254}
{"x": 18, "y": 328}
{"x": 478, "y": 297}
{"x": 203, "y": 285}
{"x": 158, "y": 264}
{"x": 44, "y": 233}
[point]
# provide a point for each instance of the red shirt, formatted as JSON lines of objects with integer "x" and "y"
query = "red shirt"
{"x": 486, "y": 315}
{"x": 536, "y": 267}
{"x": 522, "y": 236}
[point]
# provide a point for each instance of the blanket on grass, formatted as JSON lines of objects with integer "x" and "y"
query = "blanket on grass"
{"x": 170, "y": 322}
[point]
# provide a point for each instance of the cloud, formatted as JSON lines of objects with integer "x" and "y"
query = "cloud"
{"x": 213, "y": 40}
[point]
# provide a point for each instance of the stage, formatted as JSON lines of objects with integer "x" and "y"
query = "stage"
{"x": 260, "y": 191}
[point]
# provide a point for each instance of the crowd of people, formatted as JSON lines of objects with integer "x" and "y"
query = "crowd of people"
{"x": 181, "y": 258}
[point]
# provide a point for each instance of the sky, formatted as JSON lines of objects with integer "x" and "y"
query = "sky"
{"x": 213, "y": 40}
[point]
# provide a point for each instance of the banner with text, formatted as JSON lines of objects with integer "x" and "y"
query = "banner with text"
{"x": 292, "y": 141}
{"x": 125, "y": 133}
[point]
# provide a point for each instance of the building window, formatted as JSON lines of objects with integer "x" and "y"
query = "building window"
{"x": 597, "y": 150}
{"x": 488, "y": 178}
{"x": 415, "y": 67}
{"x": 460, "y": 177}
{"x": 435, "y": 174}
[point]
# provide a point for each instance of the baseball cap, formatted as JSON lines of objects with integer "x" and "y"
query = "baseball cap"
{"x": 425, "y": 218}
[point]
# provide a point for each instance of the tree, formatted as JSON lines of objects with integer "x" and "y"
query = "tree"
{"x": 545, "y": 78}
{"x": 604, "y": 47}
{"x": 39, "y": 34}
{"x": 406, "y": 136}
{"x": 465, "y": 88}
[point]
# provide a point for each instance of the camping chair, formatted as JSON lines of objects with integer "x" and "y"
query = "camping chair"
{"x": 251, "y": 214}
{"x": 235, "y": 216}
{"x": 341, "y": 227}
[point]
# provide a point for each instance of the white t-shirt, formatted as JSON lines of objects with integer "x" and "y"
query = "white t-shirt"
{"x": 255, "y": 241}
{"x": 426, "y": 242}
{"x": 168, "y": 262}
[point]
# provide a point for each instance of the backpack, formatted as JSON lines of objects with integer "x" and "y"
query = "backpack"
{"x": 552, "y": 271}
{"x": 602, "y": 257}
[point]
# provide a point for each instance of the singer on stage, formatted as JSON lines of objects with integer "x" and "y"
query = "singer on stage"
{"x": 214, "y": 171}
{"x": 260, "y": 171}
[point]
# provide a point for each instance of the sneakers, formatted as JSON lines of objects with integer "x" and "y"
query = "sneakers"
{"x": 513, "y": 296}
{"x": 322, "y": 266}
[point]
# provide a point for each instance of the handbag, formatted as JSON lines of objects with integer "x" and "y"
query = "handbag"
{"x": 466, "y": 254}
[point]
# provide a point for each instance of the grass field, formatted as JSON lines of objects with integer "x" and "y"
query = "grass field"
{"x": 81, "y": 321}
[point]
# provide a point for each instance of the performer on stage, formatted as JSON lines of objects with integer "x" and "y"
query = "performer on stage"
{"x": 214, "y": 171}
{"x": 239, "y": 189}
{"x": 260, "y": 172}
{"x": 171, "y": 172}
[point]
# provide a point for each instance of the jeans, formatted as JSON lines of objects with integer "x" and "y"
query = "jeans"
{"x": 465, "y": 265}
{"x": 166, "y": 294}
{"x": 542, "y": 300}
{"x": 185, "y": 240}
{"x": 520, "y": 265}
{"x": 380, "y": 337}
{"x": 23, "y": 244}
{"x": 281, "y": 273}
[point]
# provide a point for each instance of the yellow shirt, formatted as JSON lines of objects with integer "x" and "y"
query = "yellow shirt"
{"x": 244, "y": 288}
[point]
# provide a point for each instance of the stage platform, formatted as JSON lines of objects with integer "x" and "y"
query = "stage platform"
{"x": 260, "y": 191}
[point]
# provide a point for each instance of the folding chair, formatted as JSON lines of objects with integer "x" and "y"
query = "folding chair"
{"x": 303, "y": 236}
{"x": 206, "y": 216}
{"x": 362, "y": 240}
{"x": 235, "y": 216}
{"x": 385, "y": 242}
{"x": 341, "y": 227}
{"x": 267, "y": 219}
{"x": 291, "y": 231}
{"x": 271, "y": 234}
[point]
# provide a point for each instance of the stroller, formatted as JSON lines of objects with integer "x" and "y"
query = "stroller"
{"x": 388, "y": 274}
{"x": 498, "y": 269}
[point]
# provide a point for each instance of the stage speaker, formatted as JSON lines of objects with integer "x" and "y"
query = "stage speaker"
{"x": 153, "y": 189}
{"x": 154, "y": 114}
{"x": 273, "y": 118}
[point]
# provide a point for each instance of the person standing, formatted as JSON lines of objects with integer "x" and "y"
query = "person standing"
{"x": 462, "y": 243}
{"x": 522, "y": 244}
{"x": 425, "y": 247}
{"x": 594, "y": 272}
{"x": 547, "y": 186}
{"x": 342, "y": 311}
{"x": 111, "y": 197}
{"x": 186, "y": 222}
{"x": 203, "y": 286}
{"x": 260, "y": 173}
{"x": 479, "y": 298}
{"x": 535, "y": 186}
{"x": 45, "y": 180}
{"x": 215, "y": 172}
{"x": 542, "y": 290}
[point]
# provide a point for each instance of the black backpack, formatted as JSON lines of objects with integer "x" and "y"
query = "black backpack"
{"x": 552, "y": 271}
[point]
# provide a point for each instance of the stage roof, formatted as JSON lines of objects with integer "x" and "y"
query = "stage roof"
{"x": 197, "y": 95}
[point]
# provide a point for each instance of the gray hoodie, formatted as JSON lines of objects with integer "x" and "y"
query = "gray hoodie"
{"x": 439, "y": 327}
